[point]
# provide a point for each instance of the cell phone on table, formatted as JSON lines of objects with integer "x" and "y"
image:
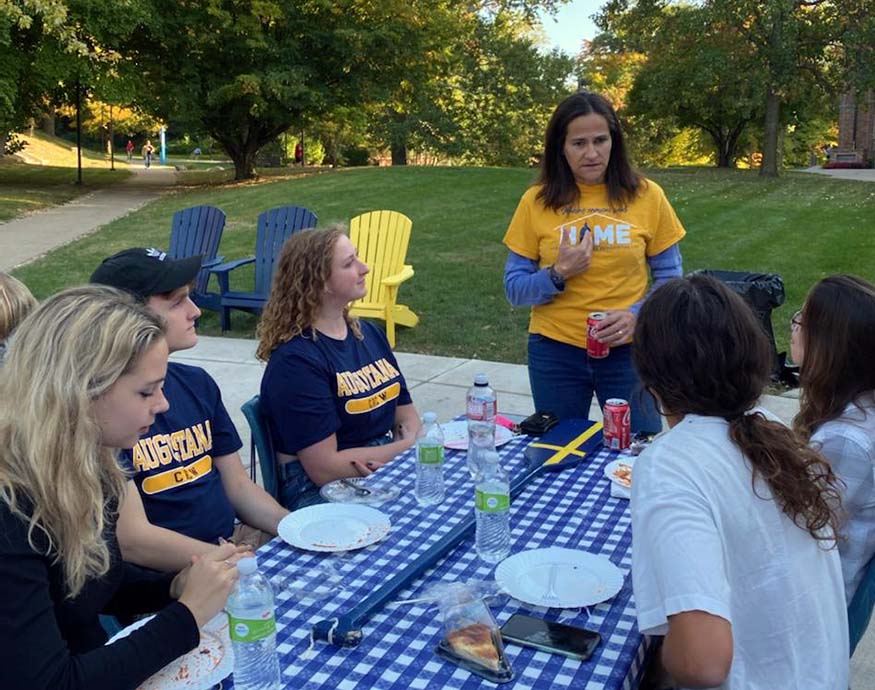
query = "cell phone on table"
{"x": 549, "y": 636}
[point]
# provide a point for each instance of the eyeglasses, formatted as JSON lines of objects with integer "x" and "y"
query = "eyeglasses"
{"x": 796, "y": 321}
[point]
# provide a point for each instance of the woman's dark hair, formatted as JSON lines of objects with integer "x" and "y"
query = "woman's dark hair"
{"x": 558, "y": 186}
{"x": 701, "y": 350}
{"x": 838, "y": 334}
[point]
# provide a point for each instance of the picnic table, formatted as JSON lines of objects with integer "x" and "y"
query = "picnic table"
{"x": 572, "y": 509}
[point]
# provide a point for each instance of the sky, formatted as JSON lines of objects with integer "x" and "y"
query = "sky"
{"x": 571, "y": 24}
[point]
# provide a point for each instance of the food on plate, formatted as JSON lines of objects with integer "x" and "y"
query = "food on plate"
{"x": 476, "y": 642}
{"x": 623, "y": 474}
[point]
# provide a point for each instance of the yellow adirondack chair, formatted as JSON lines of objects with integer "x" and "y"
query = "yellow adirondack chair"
{"x": 381, "y": 238}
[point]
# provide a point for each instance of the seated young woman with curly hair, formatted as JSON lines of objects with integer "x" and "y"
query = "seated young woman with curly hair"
{"x": 334, "y": 398}
{"x": 733, "y": 515}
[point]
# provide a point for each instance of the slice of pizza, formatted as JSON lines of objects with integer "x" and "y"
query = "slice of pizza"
{"x": 475, "y": 642}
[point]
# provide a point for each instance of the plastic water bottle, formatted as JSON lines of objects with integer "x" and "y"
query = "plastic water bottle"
{"x": 430, "y": 461}
{"x": 481, "y": 406}
{"x": 252, "y": 627}
{"x": 492, "y": 509}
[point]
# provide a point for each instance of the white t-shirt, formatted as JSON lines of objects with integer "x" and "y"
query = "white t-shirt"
{"x": 703, "y": 540}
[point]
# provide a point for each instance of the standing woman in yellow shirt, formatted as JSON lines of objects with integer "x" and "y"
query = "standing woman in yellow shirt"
{"x": 581, "y": 241}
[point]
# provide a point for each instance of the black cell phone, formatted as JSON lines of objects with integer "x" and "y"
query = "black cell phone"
{"x": 549, "y": 636}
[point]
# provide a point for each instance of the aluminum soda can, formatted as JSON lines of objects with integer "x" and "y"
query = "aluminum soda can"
{"x": 595, "y": 348}
{"x": 618, "y": 428}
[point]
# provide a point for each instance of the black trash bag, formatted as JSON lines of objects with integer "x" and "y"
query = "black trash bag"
{"x": 763, "y": 292}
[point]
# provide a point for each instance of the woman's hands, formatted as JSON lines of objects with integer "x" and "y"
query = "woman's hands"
{"x": 207, "y": 582}
{"x": 573, "y": 259}
{"x": 617, "y": 327}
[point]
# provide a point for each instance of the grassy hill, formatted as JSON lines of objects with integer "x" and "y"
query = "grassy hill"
{"x": 799, "y": 226}
{"x": 43, "y": 174}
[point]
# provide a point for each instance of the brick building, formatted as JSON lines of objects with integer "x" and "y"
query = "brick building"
{"x": 856, "y": 129}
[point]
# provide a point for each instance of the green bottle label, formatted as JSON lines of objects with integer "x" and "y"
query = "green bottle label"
{"x": 491, "y": 503}
{"x": 431, "y": 455}
{"x": 251, "y": 629}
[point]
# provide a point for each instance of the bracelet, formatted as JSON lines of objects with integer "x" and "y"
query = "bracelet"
{"x": 557, "y": 280}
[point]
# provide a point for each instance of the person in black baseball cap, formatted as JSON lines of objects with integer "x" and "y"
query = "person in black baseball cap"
{"x": 146, "y": 272}
{"x": 188, "y": 484}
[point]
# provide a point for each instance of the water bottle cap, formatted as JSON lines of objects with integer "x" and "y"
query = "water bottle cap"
{"x": 429, "y": 418}
{"x": 247, "y": 566}
{"x": 481, "y": 380}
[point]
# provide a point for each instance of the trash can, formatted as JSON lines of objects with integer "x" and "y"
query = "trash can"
{"x": 763, "y": 292}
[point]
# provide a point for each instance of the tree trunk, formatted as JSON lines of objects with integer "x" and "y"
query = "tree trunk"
{"x": 769, "y": 167}
{"x": 244, "y": 163}
{"x": 399, "y": 153}
{"x": 724, "y": 154}
{"x": 3, "y": 136}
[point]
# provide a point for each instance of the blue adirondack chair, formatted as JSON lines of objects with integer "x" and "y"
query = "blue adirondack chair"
{"x": 197, "y": 231}
{"x": 274, "y": 228}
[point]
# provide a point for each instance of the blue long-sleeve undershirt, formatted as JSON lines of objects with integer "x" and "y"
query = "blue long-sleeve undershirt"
{"x": 525, "y": 284}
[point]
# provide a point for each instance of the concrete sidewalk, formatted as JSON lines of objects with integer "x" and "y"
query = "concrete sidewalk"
{"x": 859, "y": 174}
{"x": 438, "y": 384}
{"x": 29, "y": 237}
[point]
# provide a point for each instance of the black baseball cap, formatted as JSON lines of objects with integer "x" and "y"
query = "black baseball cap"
{"x": 146, "y": 272}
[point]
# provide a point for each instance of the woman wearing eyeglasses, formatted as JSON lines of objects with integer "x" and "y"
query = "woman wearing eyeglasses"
{"x": 833, "y": 342}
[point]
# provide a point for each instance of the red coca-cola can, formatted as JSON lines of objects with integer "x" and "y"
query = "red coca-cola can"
{"x": 595, "y": 348}
{"x": 618, "y": 428}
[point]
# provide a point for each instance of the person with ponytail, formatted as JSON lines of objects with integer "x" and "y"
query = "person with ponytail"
{"x": 83, "y": 379}
{"x": 833, "y": 341}
{"x": 734, "y": 517}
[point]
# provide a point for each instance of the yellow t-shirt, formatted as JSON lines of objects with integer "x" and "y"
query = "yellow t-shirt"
{"x": 623, "y": 238}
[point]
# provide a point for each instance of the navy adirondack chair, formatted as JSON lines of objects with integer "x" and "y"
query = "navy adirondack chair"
{"x": 197, "y": 231}
{"x": 274, "y": 228}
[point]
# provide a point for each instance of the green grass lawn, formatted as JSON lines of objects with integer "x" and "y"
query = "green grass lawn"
{"x": 27, "y": 188}
{"x": 800, "y": 226}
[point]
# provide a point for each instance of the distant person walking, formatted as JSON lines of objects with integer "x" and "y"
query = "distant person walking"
{"x": 148, "y": 152}
{"x": 130, "y": 149}
{"x": 299, "y": 153}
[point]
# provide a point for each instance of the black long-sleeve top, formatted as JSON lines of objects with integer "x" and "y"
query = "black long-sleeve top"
{"x": 50, "y": 642}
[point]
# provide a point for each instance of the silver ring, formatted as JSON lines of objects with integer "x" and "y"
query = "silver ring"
{"x": 621, "y": 331}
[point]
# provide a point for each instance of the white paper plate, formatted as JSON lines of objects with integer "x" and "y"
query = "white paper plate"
{"x": 581, "y": 578}
{"x": 456, "y": 435}
{"x": 613, "y": 468}
{"x": 332, "y": 527}
{"x": 202, "y": 668}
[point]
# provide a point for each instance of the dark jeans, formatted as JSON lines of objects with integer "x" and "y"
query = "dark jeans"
{"x": 297, "y": 490}
{"x": 563, "y": 379}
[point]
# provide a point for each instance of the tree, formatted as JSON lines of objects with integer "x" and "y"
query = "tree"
{"x": 482, "y": 93}
{"x": 789, "y": 40}
{"x": 701, "y": 74}
{"x": 54, "y": 51}
{"x": 787, "y": 45}
{"x": 35, "y": 45}
{"x": 244, "y": 72}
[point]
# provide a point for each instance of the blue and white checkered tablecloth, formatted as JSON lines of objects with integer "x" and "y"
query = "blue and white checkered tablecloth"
{"x": 571, "y": 509}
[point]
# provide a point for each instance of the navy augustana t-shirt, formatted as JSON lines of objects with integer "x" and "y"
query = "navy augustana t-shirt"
{"x": 173, "y": 462}
{"x": 313, "y": 388}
